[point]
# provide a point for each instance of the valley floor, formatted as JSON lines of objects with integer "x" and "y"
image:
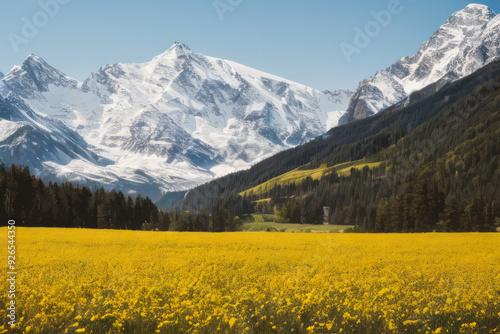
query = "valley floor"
{"x": 102, "y": 281}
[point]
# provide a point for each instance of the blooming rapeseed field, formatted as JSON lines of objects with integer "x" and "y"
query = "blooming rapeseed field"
{"x": 95, "y": 281}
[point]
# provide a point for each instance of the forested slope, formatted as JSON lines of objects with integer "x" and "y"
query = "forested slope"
{"x": 438, "y": 168}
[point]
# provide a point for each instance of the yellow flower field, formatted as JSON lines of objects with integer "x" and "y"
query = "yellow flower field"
{"x": 94, "y": 281}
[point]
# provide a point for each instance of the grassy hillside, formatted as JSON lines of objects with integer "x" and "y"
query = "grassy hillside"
{"x": 299, "y": 174}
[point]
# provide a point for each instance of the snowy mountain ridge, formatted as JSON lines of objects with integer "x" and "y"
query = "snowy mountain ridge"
{"x": 467, "y": 41}
{"x": 172, "y": 123}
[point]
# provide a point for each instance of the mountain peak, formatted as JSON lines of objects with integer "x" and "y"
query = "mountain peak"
{"x": 35, "y": 75}
{"x": 180, "y": 46}
{"x": 33, "y": 58}
{"x": 477, "y": 7}
{"x": 177, "y": 50}
{"x": 472, "y": 15}
{"x": 33, "y": 61}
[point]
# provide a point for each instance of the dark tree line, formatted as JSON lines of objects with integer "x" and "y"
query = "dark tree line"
{"x": 32, "y": 203}
{"x": 26, "y": 199}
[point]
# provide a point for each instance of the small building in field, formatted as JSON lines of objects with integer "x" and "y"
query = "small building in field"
{"x": 326, "y": 215}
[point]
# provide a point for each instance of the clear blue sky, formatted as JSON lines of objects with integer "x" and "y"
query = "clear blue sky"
{"x": 298, "y": 40}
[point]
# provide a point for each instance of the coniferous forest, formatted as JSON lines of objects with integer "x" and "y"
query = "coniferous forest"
{"x": 30, "y": 202}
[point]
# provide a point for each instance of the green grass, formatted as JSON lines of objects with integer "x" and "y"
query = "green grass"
{"x": 259, "y": 223}
{"x": 347, "y": 170}
{"x": 297, "y": 175}
{"x": 260, "y": 218}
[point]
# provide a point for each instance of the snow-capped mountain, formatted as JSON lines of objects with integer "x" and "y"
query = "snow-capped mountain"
{"x": 468, "y": 40}
{"x": 35, "y": 77}
{"x": 243, "y": 113}
{"x": 174, "y": 122}
{"x": 37, "y": 141}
